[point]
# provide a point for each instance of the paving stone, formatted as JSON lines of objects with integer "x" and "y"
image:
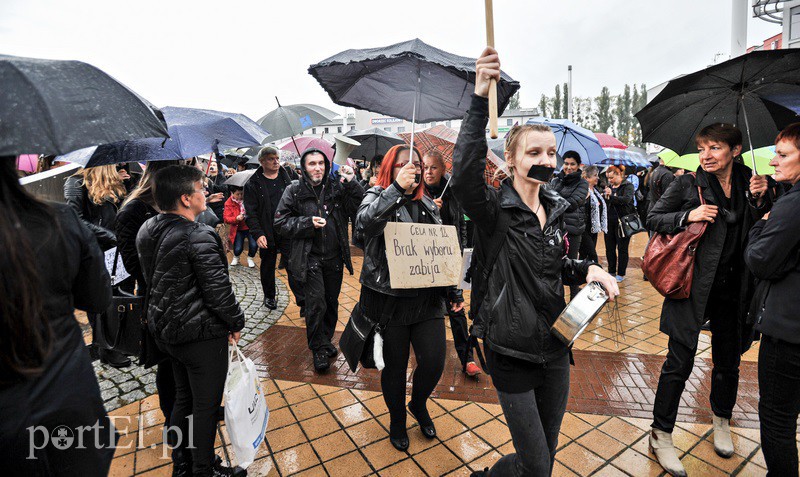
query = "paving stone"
{"x": 129, "y": 386}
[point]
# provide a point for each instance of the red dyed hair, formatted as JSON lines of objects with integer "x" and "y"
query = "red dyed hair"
{"x": 386, "y": 170}
{"x": 618, "y": 169}
{"x": 790, "y": 133}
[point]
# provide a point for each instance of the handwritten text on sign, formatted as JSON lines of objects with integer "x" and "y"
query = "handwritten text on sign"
{"x": 422, "y": 255}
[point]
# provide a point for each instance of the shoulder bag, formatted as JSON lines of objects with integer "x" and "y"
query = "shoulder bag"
{"x": 358, "y": 338}
{"x": 119, "y": 328}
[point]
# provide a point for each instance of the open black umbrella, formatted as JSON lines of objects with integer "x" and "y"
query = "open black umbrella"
{"x": 54, "y": 107}
{"x": 410, "y": 80}
{"x": 759, "y": 92}
{"x": 373, "y": 142}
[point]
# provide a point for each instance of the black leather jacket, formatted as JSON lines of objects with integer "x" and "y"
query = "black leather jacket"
{"x": 191, "y": 298}
{"x": 99, "y": 218}
{"x": 129, "y": 220}
{"x": 379, "y": 207}
{"x": 525, "y": 289}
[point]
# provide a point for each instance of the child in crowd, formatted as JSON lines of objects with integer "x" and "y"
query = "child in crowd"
{"x": 234, "y": 215}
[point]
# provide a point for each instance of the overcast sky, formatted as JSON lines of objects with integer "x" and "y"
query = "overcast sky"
{"x": 238, "y": 55}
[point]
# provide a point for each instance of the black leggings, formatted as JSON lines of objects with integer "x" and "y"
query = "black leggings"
{"x": 613, "y": 242}
{"x": 428, "y": 339}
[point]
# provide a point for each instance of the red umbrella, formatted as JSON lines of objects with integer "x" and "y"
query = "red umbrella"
{"x": 27, "y": 162}
{"x": 443, "y": 139}
{"x": 606, "y": 140}
{"x": 308, "y": 142}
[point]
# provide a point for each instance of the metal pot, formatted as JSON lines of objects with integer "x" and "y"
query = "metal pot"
{"x": 579, "y": 313}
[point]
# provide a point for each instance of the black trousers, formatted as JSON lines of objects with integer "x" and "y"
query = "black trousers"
{"x": 588, "y": 249}
{"x": 779, "y": 404}
{"x": 574, "y": 248}
{"x": 460, "y": 330}
{"x": 322, "y": 287}
{"x": 614, "y": 244}
{"x": 165, "y": 385}
{"x": 200, "y": 368}
{"x": 721, "y": 310}
{"x": 428, "y": 340}
{"x": 269, "y": 260}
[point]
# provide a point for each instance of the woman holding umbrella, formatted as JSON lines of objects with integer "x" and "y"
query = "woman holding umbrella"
{"x": 518, "y": 297}
{"x": 721, "y": 286}
{"x": 414, "y": 316}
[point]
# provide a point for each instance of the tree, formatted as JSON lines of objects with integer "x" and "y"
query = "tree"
{"x": 602, "y": 114}
{"x": 565, "y": 102}
{"x": 622, "y": 115}
{"x": 636, "y": 130}
{"x": 513, "y": 102}
{"x": 583, "y": 113}
{"x": 557, "y": 102}
{"x": 543, "y": 106}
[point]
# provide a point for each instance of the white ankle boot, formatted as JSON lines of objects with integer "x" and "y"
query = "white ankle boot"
{"x": 723, "y": 445}
{"x": 666, "y": 455}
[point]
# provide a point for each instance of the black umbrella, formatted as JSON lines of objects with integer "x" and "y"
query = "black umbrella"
{"x": 410, "y": 80}
{"x": 373, "y": 142}
{"x": 291, "y": 120}
{"x": 759, "y": 92}
{"x": 54, "y": 107}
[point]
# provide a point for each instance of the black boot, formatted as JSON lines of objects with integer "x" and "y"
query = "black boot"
{"x": 424, "y": 420}
{"x": 115, "y": 359}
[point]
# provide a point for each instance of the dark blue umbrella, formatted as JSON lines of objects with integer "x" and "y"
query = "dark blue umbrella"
{"x": 571, "y": 137}
{"x": 192, "y": 132}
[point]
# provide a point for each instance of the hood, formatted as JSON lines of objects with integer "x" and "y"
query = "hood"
{"x": 303, "y": 165}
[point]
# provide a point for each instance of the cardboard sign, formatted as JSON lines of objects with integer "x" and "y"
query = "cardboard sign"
{"x": 422, "y": 255}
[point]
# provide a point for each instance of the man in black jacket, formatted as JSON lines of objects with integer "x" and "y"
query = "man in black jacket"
{"x": 570, "y": 185}
{"x": 660, "y": 179}
{"x": 433, "y": 167}
{"x": 191, "y": 312}
{"x": 262, "y": 193}
{"x": 313, "y": 213}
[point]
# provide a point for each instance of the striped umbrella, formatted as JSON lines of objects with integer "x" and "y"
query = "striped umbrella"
{"x": 622, "y": 157}
{"x": 443, "y": 139}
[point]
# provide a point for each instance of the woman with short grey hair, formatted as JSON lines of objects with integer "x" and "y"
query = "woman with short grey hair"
{"x": 596, "y": 216}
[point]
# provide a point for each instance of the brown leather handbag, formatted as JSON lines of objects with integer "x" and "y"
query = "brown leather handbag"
{"x": 669, "y": 259}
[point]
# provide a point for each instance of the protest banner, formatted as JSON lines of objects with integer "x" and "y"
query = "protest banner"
{"x": 422, "y": 255}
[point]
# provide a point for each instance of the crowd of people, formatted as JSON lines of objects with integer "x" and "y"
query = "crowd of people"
{"x": 175, "y": 224}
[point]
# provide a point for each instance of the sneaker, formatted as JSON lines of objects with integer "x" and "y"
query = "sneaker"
{"x": 270, "y": 303}
{"x": 620, "y": 278}
{"x": 250, "y": 262}
{"x": 321, "y": 361}
{"x": 235, "y": 261}
{"x": 472, "y": 369}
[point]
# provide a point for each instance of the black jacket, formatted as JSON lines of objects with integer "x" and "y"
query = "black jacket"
{"x": 217, "y": 184}
{"x": 525, "y": 292}
{"x": 258, "y": 207}
{"x": 73, "y": 272}
{"x": 659, "y": 182}
{"x": 574, "y": 189}
{"x": 129, "y": 220}
{"x": 99, "y": 218}
{"x": 620, "y": 203}
{"x": 299, "y": 204}
{"x": 191, "y": 298}
{"x": 681, "y": 319}
{"x": 376, "y": 210}
{"x": 773, "y": 254}
{"x": 451, "y": 212}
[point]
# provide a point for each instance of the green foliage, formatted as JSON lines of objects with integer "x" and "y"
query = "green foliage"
{"x": 557, "y": 102}
{"x": 543, "y": 103}
{"x": 565, "y": 102}
{"x": 513, "y": 102}
{"x": 603, "y": 116}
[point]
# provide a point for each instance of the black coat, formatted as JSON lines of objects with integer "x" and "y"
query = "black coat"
{"x": 191, "y": 298}
{"x": 574, "y": 189}
{"x": 129, "y": 220}
{"x": 773, "y": 254}
{"x": 99, "y": 218}
{"x": 659, "y": 182}
{"x": 73, "y": 272}
{"x": 376, "y": 210}
{"x": 299, "y": 204}
{"x": 682, "y": 319}
{"x": 258, "y": 207}
{"x": 620, "y": 203}
{"x": 525, "y": 292}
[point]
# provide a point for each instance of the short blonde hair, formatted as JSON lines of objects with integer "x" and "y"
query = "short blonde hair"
{"x": 513, "y": 138}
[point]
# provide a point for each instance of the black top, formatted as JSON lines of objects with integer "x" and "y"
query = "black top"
{"x": 275, "y": 189}
{"x": 325, "y": 244}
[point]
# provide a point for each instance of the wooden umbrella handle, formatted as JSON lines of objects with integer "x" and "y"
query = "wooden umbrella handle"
{"x": 493, "y": 83}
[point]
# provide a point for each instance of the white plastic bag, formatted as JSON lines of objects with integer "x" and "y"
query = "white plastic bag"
{"x": 246, "y": 412}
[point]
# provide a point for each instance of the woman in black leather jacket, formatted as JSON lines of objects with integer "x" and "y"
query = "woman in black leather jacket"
{"x": 415, "y": 316}
{"x": 524, "y": 292}
{"x": 619, "y": 197}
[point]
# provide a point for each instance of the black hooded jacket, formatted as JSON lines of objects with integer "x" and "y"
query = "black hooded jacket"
{"x": 259, "y": 208}
{"x": 191, "y": 297}
{"x": 574, "y": 189}
{"x": 334, "y": 201}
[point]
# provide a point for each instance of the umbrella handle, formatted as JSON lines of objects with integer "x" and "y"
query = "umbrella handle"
{"x": 493, "y": 83}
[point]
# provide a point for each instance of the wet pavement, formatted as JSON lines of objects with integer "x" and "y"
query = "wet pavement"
{"x": 336, "y": 423}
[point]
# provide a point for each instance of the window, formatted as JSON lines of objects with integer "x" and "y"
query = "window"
{"x": 339, "y": 129}
{"x": 401, "y": 129}
{"x": 509, "y": 122}
{"x": 326, "y": 130}
{"x": 794, "y": 26}
{"x": 313, "y": 130}
{"x": 387, "y": 129}
{"x": 352, "y": 128}
{"x": 448, "y": 123}
{"x": 433, "y": 123}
